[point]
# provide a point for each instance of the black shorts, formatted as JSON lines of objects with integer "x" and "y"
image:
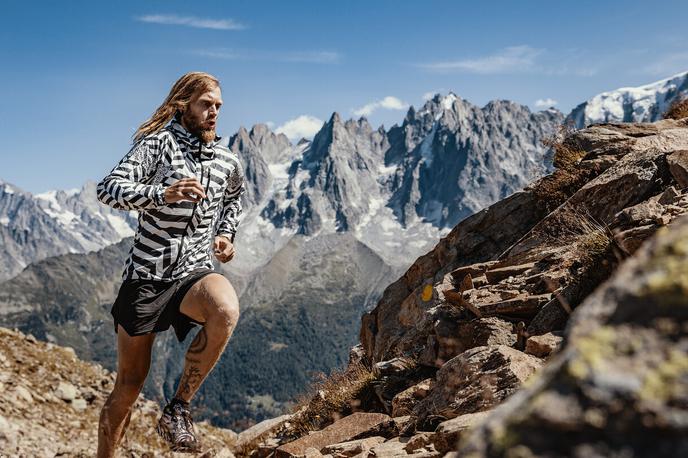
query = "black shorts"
{"x": 145, "y": 306}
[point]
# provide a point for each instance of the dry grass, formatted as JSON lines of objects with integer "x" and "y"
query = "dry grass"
{"x": 593, "y": 239}
{"x": 567, "y": 178}
{"x": 330, "y": 398}
{"x": 566, "y": 154}
{"x": 678, "y": 109}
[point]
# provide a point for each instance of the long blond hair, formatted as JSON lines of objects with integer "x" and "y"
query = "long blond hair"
{"x": 179, "y": 98}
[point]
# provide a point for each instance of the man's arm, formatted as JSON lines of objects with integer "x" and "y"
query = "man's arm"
{"x": 230, "y": 215}
{"x": 122, "y": 188}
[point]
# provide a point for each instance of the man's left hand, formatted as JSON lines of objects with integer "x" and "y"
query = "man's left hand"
{"x": 223, "y": 249}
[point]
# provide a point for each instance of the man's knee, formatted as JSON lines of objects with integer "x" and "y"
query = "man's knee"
{"x": 130, "y": 383}
{"x": 226, "y": 312}
{"x": 225, "y": 303}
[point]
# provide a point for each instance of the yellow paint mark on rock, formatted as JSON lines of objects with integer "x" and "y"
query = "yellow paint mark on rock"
{"x": 427, "y": 293}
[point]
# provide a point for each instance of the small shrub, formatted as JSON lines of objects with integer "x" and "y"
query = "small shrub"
{"x": 330, "y": 398}
{"x": 678, "y": 109}
{"x": 566, "y": 154}
{"x": 567, "y": 178}
{"x": 593, "y": 240}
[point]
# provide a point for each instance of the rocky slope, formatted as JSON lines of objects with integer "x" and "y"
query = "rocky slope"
{"x": 469, "y": 323}
{"x": 50, "y": 402}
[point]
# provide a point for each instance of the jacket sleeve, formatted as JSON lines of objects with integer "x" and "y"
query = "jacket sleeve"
{"x": 123, "y": 188}
{"x": 230, "y": 215}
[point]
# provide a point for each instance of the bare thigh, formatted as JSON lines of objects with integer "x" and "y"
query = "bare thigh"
{"x": 133, "y": 357}
{"x": 208, "y": 296}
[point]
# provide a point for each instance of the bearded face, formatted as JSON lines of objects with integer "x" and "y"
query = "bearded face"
{"x": 198, "y": 127}
{"x": 200, "y": 116}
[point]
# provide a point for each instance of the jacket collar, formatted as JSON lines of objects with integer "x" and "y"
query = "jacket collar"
{"x": 206, "y": 150}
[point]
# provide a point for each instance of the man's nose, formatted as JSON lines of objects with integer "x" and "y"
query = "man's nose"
{"x": 214, "y": 110}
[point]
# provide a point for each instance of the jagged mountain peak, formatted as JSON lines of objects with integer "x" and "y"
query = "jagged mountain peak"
{"x": 435, "y": 107}
{"x": 8, "y": 188}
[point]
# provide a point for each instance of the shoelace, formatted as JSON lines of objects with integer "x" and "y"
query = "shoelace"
{"x": 182, "y": 416}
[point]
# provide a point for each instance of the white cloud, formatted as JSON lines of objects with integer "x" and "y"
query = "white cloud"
{"x": 545, "y": 103}
{"x": 388, "y": 103}
{"x": 312, "y": 57}
{"x": 192, "y": 21}
{"x": 270, "y": 124}
{"x": 305, "y": 126}
{"x": 512, "y": 59}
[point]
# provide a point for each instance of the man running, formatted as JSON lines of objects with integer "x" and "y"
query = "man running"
{"x": 186, "y": 186}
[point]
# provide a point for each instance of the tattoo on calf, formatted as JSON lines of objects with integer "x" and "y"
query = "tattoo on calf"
{"x": 190, "y": 380}
{"x": 199, "y": 343}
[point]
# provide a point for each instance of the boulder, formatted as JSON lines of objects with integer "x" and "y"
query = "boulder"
{"x": 543, "y": 345}
{"x": 399, "y": 446}
{"x": 343, "y": 430}
{"x": 449, "y": 432}
{"x": 678, "y": 165}
{"x": 258, "y": 432}
{"x": 66, "y": 391}
{"x": 352, "y": 448}
{"x": 474, "y": 381}
{"x": 452, "y": 337}
{"x": 403, "y": 403}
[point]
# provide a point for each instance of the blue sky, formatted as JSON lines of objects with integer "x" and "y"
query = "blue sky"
{"x": 80, "y": 76}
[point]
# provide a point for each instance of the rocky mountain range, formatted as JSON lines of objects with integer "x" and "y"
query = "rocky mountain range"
{"x": 33, "y": 227}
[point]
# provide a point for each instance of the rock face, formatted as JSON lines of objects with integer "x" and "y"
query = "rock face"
{"x": 479, "y": 269}
{"x": 620, "y": 384}
{"x": 454, "y": 158}
{"x": 50, "y": 402}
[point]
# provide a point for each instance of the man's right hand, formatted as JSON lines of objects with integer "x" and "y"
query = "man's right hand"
{"x": 186, "y": 189}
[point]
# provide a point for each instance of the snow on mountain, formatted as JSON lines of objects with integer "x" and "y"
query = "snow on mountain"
{"x": 33, "y": 227}
{"x": 397, "y": 191}
{"x": 644, "y": 103}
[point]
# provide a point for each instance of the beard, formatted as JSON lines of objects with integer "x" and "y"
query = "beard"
{"x": 195, "y": 126}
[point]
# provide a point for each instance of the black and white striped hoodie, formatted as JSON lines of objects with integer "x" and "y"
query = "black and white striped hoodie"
{"x": 174, "y": 239}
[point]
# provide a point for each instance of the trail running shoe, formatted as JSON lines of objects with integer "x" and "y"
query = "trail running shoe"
{"x": 176, "y": 428}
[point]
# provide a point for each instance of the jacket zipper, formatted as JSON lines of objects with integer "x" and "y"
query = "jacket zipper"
{"x": 193, "y": 213}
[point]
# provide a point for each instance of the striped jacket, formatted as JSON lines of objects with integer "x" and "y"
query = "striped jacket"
{"x": 174, "y": 239}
